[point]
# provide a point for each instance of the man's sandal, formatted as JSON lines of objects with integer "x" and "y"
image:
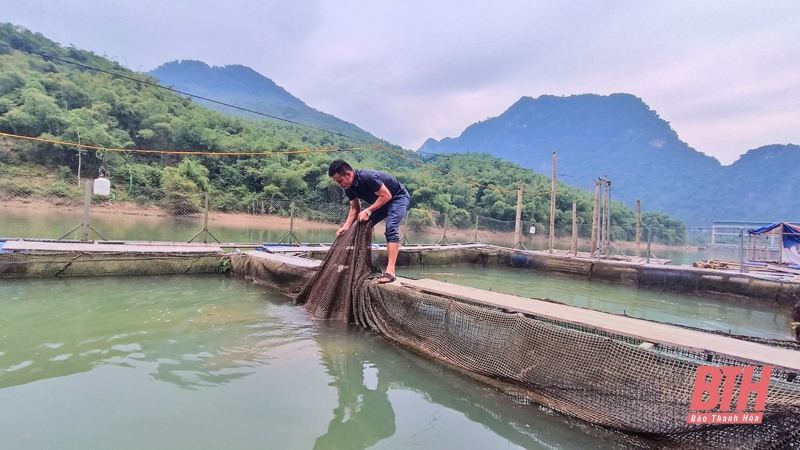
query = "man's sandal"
{"x": 386, "y": 276}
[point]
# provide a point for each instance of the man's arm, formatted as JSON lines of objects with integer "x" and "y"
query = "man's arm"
{"x": 355, "y": 208}
{"x": 384, "y": 196}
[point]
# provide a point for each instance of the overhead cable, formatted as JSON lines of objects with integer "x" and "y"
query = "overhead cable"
{"x": 125, "y": 77}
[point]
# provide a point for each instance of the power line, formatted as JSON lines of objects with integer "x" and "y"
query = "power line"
{"x": 125, "y": 77}
{"x": 464, "y": 180}
{"x": 185, "y": 152}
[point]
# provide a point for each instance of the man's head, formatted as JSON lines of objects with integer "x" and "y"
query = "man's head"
{"x": 342, "y": 173}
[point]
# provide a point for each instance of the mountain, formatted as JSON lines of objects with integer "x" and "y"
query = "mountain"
{"x": 762, "y": 183}
{"x": 242, "y": 86}
{"x": 620, "y": 136}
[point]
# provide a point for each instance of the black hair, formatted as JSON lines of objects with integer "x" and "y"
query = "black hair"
{"x": 339, "y": 166}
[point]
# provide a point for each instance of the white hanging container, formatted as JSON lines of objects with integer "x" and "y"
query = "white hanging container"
{"x": 102, "y": 186}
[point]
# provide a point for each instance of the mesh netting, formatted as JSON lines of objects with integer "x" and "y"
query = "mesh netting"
{"x": 605, "y": 379}
{"x": 331, "y": 292}
{"x": 75, "y": 264}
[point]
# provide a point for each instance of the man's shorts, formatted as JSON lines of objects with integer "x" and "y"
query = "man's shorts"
{"x": 393, "y": 212}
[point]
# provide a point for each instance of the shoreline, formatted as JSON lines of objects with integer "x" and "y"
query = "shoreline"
{"x": 32, "y": 206}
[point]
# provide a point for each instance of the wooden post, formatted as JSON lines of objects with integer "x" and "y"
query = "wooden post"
{"x": 741, "y": 250}
{"x": 553, "y": 205}
{"x": 595, "y": 216}
{"x": 638, "y": 228}
{"x": 518, "y": 224}
{"x": 87, "y": 201}
{"x": 205, "y": 221}
{"x": 606, "y": 209}
{"x": 443, "y": 239}
{"x": 475, "y": 237}
{"x": 575, "y": 227}
{"x": 602, "y": 220}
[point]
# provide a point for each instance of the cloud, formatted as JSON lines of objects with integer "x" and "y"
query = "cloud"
{"x": 722, "y": 73}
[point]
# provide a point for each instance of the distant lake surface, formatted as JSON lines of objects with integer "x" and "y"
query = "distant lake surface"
{"x": 52, "y": 223}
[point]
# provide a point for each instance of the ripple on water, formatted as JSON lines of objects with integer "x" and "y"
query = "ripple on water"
{"x": 49, "y": 345}
{"x": 21, "y": 365}
{"x": 63, "y": 357}
{"x": 127, "y": 348}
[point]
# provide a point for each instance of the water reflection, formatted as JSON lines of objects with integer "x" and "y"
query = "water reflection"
{"x": 390, "y": 397}
{"x": 364, "y": 416}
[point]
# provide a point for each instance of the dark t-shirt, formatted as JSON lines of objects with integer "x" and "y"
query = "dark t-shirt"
{"x": 367, "y": 182}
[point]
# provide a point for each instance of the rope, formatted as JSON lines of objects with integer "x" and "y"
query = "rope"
{"x": 125, "y": 77}
{"x": 463, "y": 180}
{"x": 180, "y": 152}
{"x": 101, "y": 152}
{"x": 54, "y": 58}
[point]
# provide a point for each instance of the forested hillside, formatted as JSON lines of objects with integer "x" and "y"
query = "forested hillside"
{"x": 244, "y": 87}
{"x": 620, "y": 136}
{"x": 42, "y": 97}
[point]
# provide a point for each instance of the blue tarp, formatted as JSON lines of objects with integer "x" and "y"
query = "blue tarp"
{"x": 790, "y": 235}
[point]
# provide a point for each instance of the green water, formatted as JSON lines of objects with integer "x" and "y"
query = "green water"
{"x": 207, "y": 362}
{"x": 745, "y": 317}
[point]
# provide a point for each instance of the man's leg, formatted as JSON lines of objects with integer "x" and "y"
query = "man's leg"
{"x": 392, "y": 250}
{"x": 396, "y": 211}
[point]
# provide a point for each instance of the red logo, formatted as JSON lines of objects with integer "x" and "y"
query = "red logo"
{"x": 720, "y": 383}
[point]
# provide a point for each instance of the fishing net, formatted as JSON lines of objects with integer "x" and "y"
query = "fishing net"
{"x": 331, "y": 292}
{"x": 80, "y": 264}
{"x": 605, "y": 379}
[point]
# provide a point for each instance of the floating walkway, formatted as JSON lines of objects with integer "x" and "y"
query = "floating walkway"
{"x": 151, "y": 248}
{"x": 647, "y": 331}
{"x": 40, "y": 259}
{"x": 678, "y": 279}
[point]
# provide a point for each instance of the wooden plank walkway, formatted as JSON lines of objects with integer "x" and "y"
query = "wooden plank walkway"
{"x": 325, "y": 248}
{"x": 295, "y": 249}
{"x": 285, "y": 259}
{"x": 107, "y": 248}
{"x": 697, "y": 341}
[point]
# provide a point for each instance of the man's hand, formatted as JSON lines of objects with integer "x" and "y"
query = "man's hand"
{"x": 341, "y": 230}
{"x": 363, "y": 216}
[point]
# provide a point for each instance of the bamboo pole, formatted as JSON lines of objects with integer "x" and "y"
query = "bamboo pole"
{"x": 87, "y": 202}
{"x": 638, "y": 228}
{"x": 601, "y": 219}
{"x": 575, "y": 227}
{"x": 518, "y": 222}
{"x": 607, "y": 209}
{"x": 595, "y": 219}
{"x": 553, "y": 205}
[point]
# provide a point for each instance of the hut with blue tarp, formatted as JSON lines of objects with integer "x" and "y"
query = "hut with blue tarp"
{"x": 786, "y": 234}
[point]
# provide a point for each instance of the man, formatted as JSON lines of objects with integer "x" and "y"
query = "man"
{"x": 388, "y": 199}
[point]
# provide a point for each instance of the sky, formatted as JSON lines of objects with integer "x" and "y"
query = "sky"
{"x": 725, "y": 74}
